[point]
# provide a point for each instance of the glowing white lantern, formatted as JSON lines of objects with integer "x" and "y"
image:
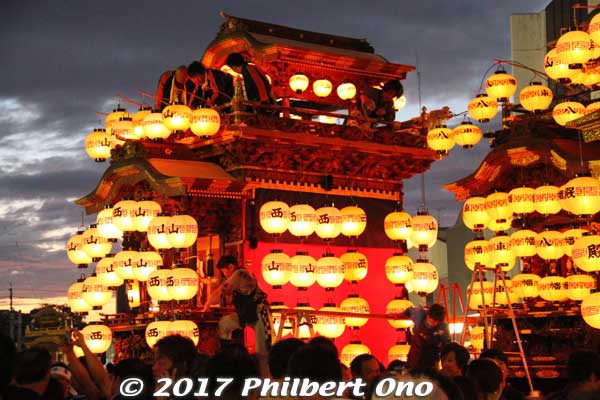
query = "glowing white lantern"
{"x": 398, "y": 225}
{"x": 398, "y": 306}
{"x": 476, "y": 298}
{"x": 114, "y": 117}
{"x": 580, "y": 286}
{"x": 424, "y": 231}
{"x": 425, "y": 278}
{"x": 98, "y": 145}
{"x": 303, "y": 220}
{"x": 522, "y": 243}
{"x": 501, "y": 255}
{"x": 123, "y": 215}
{"x": 274, "y": 217}
{"x": 440, "y": 139}
{"x": 183, "y": 231}
{"x": 467, "y": 135}
{"x": 329, "y": 223}
{"x": 477, "y": 253}
{"x": 123, "y": 130}
{"x": 483, "y": 108}
{"x": 520, "y": 200}
{"x": 177, "y": 117}
{"x": 586, "y": 253}
{"x": 331, "y": 326}
{"x": 94, "y": 245}
{"x": 582, "y": 195}
{"x": 346, "y": 91}
{"x": 157, "y": 285}
{"x": 148, "y": 262}
{"x": 322, "y": 87}
{"x": 526, "y": 285}
{"x": 590, "y": 310}
{"x": 399, "y": 351}
{"x": 158, "y": 232}
{"x": 182, "y": 283}
{"x": 356, "y": 266}
{"x": 399, "y": 269}
{"x": 546, "y": 200}
{"x": 298, "y": 83}
{"x": 94, "y": 293}
{"x": 351, "y": 351}
{"x": 329, "y": 271}
{"x": 477, "y": 336}
{"x": 553, "y": 288}
{"x": 138, "y": 120}
{"x": 75, "y": 298}
{"x": 355, "y": 304}
{"x": 125, "y": 262}
{"x": 154, "y": 126}
{"x": 106, "y": 228}
{"x": 106, "y": 273}
{"x": 570, "y": 237}
{"x": 205, "y": 122}
{"x": 497, "y": 206}
{"x": 303, "y": 271}
{"x": 354, "y": 221}
{"x": 156, "y": 331}
{"x": 574, "y": 48}
{"x": 97, "y": 337}
{"x": 501, "y": 86}
{"x": 536, "y": 97}
{"x": 550, "y": 245}
{"x": 185, "y": 328}
{"x": 474, "y": 215}
{"x": 146, "y": 210}
{"x": 133, "y": 293}
{"x": 276, "y": 268}
{"x": 568, "y": 111}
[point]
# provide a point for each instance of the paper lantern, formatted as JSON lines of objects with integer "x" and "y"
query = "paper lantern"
{"x": 94, "y": 293}
{"x": 182, "y": 232}
{"x": 123, "y": 215}
{"x": 536, "y": 97}
{"x": 113, "y": 117}
{"x": 138, "y": 121}
{"x": 398, "y": 306}
{"x": 329, "y": 223}
{"x": 586, "y": 253}
{"x": 182, "y": 283}
{"x": 205, "y": 122}
{"x": 574, "y": 48}
{"x": 425, "y": 277}
{"x": 474, "y": 294}
{"x": 399, "y": 269}
{"x": 594, "y": 29}
{"x": 354, "y": 221}
{"x": 329, "y": 271}
{"x": 155, "y": 331}
{"x": 133, "y": 293}
{"x": 556, "y": 69}
{"x": 545, "y": 200}
{"x": 501, "y": 86}
{"x": 322, "y": 87}
{"x": 106, "y": 273}
{"x": 274, "y": 217}
{"x": 478, "y": 252}
{"x": 399, "y": 351}
{"x": 355, "y": 304}
{"x": 305, "y": 321}
{"x": 550, "y": 245}
{"x": 483, "y": 108}
{"x": 590, "y": 310}
{"x": 303, "y": 270}
{"x": 520, "y": 200}
{"x": 97, "y": 337}
{"x": 501, "y": 255}
{"x": 398, "y": 225}
{"x": 501, "y": 292}
{"x": 158, "y": 232}
{"x": 592, "y": 78}
{"x": 346, "y": 91}
{"x": 177, "y": 117}
{"x": 154, "y": 126}
{"x": 75, "y": 298}
{"x": 123, "y": 129}
{"x": 497, "y": 206}
{"x": 526, "y": 285}
{"x": 477, "y": 336}
{"x": 440, "y": 139}
{"x": 276, "y": 268}
{"x": 582, "y": 195}
{"x": 148, "y": 262}
{"x": 106, "y": 228}
{"x": 356, "y": 266}
{"x": 185, "y": 328}
{"x": 98, "y": 144}
{"x": 570, "y": 237}
{"x": 145, "y": 211}
{"x": 522, "y": 243}
{"x": 467, "y": 135}
{"x": 125, "y": 262}
{"x": 157, "y": 285}
{"x": 500, "y": 225}
{"x": 579, "y": 286}
{"x": 474, "y": 215}
{"x": 94, "y": 245}
{"x": 568, "y": 111}
{"x": 331, "y": 326}
{"x": 592, "y": 107}
{"x": 298, "y": 83}
{"x": 424, "y": 231}
{"x": 351, "y": 351}
{"x": 553, "y": 288}
{"x": 75, "y": 251}
{"x": 303, "y": 220}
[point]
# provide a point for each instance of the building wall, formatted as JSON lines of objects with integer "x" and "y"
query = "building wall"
{"x": 528, "y": 46}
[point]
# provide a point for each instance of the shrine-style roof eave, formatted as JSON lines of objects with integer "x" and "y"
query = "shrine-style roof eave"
{"x": 266, "y": 49}
{"x": 589, "y": 125}
{"x": 166, "y": 177}
{"x": 520, "y": 152}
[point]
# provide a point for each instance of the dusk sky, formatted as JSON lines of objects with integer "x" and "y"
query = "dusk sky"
{"x": 63, "y": 61}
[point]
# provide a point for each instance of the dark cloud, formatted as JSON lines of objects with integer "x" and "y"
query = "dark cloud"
{"x": 64, "y": 61}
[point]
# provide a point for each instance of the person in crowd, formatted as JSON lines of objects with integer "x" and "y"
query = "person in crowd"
{"x": 280, "y": 354}
{"x": 316, "y": 363}
{"x": 174, "y": 357}
{"x": 61, "y": 373}
{"x": 468, "y": 388}
{"x": 251, "y": 308}
{"x": 325, "y": 342}
{"x": 376, "y": 103}
{"x": 256, "y": 85}
{"x": 207, "y": 87}
{"x": 365, "y": 366}
{"x": 132, "y": 368}
{"x": 231, "y": 362}
{"x": 8, "y": 352}
{"x": 31, "y": 375}
{"x": 225, "y": 268}
{"x": 171, "y": 88}
{"x": 396, "y": 366}
{"x": 488, "y": 376}
{"x": 583, "y": 373}
{"x": 430, "y": 334}
{"x": 509, "y": 392}
{"x": 454, "y": 359}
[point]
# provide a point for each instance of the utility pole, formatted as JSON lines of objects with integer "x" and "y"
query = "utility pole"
{"x": 11, "y": 314}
